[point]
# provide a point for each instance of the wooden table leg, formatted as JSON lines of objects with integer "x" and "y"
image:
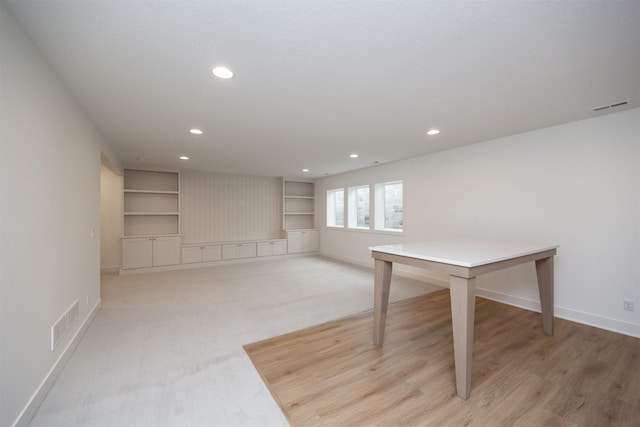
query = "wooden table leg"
{"x": 463, "y": 304}
{"x": 544, "y": 270}
{"x": 382, "y": 283}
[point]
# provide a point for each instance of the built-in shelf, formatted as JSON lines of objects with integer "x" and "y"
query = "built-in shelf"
{"x": 150, "y": 192}
{"x": 151, "y": 203}
{"x": 298, "y": 204}
{"x": 152, "y": 213}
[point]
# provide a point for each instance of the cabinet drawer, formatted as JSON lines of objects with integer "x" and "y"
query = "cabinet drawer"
{"x": 191, "y": 254}
{"x": 206, "y": 253}
{"x": 239, "y": 250}
{"x": 211, "y": 253}
{"x": 272, "y": 248}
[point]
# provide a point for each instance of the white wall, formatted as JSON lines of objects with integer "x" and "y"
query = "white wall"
{"x": 50, "y": 189}
{"x": 576, "y": 185}
{"x": 110, "y": 219}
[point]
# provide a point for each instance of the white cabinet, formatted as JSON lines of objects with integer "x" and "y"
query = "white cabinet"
{"x": 276, "y": 247}
{"x": 211, "y": 253}
{"x": 205, "y": 253}
{"x": 239, "y": 250}
{"x": 151, "y": 219}
{"x": 144, "y": 252}
{"x": 166, "y": 251}
{"x": 303, "y": 241}
{"x": 137, "y": 253}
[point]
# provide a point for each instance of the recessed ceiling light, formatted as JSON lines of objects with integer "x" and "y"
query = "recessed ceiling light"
{"x": 184, "y": 157}
{"x": 305, "y": 170}
{"x": 354, "y": 156}
{"x": 433, "y": 132}
{"x": 196, "y": 131}
{"x": 222, "y": 72}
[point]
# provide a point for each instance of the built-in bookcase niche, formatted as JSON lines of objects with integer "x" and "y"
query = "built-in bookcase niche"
{"x": 298, "y": 205}
{"x": 151, "y": 203}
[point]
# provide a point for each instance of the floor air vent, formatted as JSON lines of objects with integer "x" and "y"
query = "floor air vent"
{"x": 62, "y": 325}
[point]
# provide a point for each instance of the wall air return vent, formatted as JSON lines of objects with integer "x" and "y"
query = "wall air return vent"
{"x": 64, "y": 323}
{"x": 614, "y": 105}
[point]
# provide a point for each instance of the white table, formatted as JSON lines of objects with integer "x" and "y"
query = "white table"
{"x": 463, "y": 260}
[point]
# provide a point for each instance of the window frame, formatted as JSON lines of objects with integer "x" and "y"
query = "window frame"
{"x": 352, "y": 207}
{"x": 380, "y": 222}
{"x": 331, "y": 215}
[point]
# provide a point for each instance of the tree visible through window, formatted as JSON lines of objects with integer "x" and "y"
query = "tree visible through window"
{"x": 359, "y": 214}
{"x": 389, "y": 206}
{"x": 335, "y": 208}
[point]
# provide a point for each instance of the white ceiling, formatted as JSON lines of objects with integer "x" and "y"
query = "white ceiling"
{"x": 318, "y": 80}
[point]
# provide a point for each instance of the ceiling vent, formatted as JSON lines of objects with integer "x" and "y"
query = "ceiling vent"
{"x": 614, "y": 105}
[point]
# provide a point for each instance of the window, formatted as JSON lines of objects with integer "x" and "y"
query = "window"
{"x": 359, "y": 207}
{"x": 389, "y": 206}
{"x": 335, "y": 208}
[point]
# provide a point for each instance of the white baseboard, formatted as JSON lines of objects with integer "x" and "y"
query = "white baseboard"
{"x": 397, "y": 270}
{"x": 613, "y": 325}
{"x": 109, "y": 269}
{"x": 43, "y": 389}
{"x": 590, "y": 319}
{"x": 347, "y": 260}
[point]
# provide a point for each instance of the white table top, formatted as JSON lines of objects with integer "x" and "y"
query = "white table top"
{"x": 464, "y": 252}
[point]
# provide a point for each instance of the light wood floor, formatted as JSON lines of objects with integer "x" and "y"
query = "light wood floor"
{"x": 332, "y": 375}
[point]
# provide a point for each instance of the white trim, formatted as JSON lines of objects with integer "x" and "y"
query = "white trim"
{"x": 397, "y": 271}
{"x": 589, "y": 319}
{"x": 49, "y": 380}
{"x": 601, "y": 322}
{"x": 109, "y": 269}
{"x": 346, "y": 259}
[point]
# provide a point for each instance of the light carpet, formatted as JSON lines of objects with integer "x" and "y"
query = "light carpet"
{"x": 166, "y": 348}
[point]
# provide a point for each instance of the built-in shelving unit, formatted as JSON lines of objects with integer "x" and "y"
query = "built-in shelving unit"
{"x": 298, "y": 216}
{"x": 151, "y": 203}
{"x": 151, "y": 219}
{"x": 152, "y": 230}
{"x": 298, "y": 204}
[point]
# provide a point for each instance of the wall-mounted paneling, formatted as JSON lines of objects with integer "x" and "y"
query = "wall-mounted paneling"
{"x": 219, "y": 208}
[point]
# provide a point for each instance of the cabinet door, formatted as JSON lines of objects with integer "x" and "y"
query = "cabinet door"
{"x": 264, "y": 248}
{"x": 191, "y": 254}
{"x": 278, "y": 248}
{"x": 137, "y": 253}
{"x": 166, "y": 251}
{"x": 229, "y": 251}
{"x": 294, "y": 241}
{"x": 311, "y": 241}
{"x": 211, "y": 253}
{"x": 272, "y": 248}
{"x": 239, "y": 250}
{"x": 247, "y": 250}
